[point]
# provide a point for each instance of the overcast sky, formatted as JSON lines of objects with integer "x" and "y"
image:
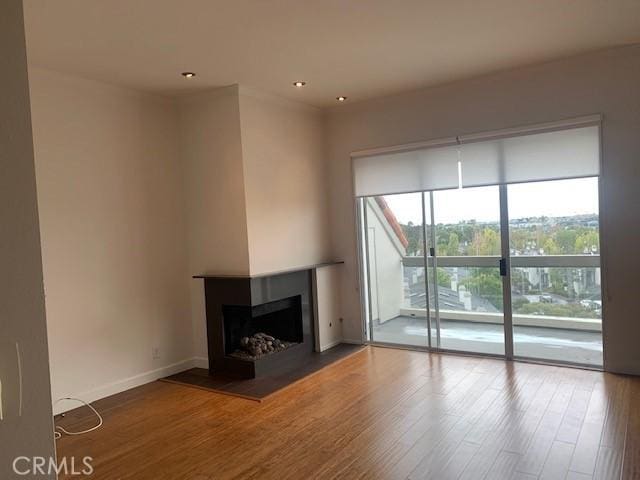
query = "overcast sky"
{"x": 553, "y": 199}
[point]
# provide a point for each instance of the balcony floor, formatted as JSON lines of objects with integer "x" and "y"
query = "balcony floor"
{"x": 554, "y": 344}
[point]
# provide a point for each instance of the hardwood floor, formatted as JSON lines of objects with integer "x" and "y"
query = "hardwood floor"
{"x": 259, "y": 389}
{"x": 379, "y": 414}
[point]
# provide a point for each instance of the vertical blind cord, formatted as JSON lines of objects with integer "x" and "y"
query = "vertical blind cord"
{"x": 459, "y": 162}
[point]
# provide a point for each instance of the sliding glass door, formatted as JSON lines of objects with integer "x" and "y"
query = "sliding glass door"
{"x": 466, "y": 269}
{"x": 434, "y": 278}
{"x": 493, "y": 247}
{"x": 555, "y": 270}
{"x": 393, "y": 229}
{"x": 451, "y": 298}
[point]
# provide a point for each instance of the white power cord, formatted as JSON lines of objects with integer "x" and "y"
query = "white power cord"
{"x": 59, "y": 430}
{"x": 19, "y": 358}
{"x": 19, "y": 364}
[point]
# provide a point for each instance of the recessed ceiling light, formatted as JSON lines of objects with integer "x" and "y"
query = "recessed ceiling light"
{"x": 341, "y": 98}
{"x": 188, "y": 74}
{"x": 299, "y": 84}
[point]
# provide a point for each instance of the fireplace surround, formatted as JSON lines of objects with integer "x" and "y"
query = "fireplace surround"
{"x": 279, "y": 305}
{"x": 280, "y": 320}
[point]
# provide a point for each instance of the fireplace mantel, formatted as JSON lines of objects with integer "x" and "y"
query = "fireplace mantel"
{"x": 270, "y": 274}
{"x": 237, "y": 303}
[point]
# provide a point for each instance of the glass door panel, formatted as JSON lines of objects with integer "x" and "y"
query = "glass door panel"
{"x": 394, "y": 233}
{"x": 467, "y": 240}
{"x": 555, "y": 270}
{"x": 433, "y": 279}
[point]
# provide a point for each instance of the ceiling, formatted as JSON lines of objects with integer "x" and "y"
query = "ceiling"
{"x": 357, "y": 48}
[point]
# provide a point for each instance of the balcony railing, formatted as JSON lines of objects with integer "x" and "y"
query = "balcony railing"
{"x": 520, "y": 261}
{"x": 517, "y": 261}
{"x": 519, "y": 320}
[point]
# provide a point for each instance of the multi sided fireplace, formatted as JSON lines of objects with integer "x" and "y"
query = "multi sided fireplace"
{"x": 259, "y": 325}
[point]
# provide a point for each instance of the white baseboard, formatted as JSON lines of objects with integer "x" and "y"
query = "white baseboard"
{"x": 128, "y": 383}
{"x": 351, "y": 341}
{"x": 330, "y": 345}
{"x": 201, "y": 362}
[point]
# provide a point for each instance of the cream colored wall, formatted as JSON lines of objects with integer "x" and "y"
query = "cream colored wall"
{"x": 26, "y": 426}
{"x": 138, "y": 193}
{"x": 385, "y": 266}
{"x": 110, "y": 193}
{"x": 284, "y": 183}
{"x": 211, "y": 156}
{"x": 256, "y": 198}
{"x": 328, "y": 324}
{"x": 605, "y": 82}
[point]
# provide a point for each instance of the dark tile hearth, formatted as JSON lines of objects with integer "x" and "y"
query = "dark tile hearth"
{"x": 259, "y": 389}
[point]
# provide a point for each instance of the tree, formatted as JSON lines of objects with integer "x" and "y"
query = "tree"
{"x": 453, "y": 248}
{"x": 444, "y": 279}
{"x": 485, "y": 283}
{"x": 518, "y": 303}
{"x": 587, "y": 242}
{"x": 566, "y": 240}
{"x": 560, "y": 282}
{"x": 574, "y": 310}
{"x": 414, "y": 236}
{"x": 486, "y": 242}
{"x": 550, "y": 246}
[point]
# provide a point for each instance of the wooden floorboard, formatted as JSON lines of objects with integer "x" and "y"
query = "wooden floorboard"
{"x": 259, "y": 389}
{"x": 379, "y": 414}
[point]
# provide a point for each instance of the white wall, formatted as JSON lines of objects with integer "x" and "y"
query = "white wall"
{"x": 328, "y": 324}
{"x": 385, "y": 266}
{"x": 255, "y": 182}
{"x": 211, "y": 155}
{"x": 285, "y": 185}
{"x": 604, "y": 82}
{"x": 26, "y": 427}
{"x": 110, "y": 194}
{"x": 140, "y": 192}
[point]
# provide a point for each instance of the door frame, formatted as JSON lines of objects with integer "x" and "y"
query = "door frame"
{"x": 487, "y": 261}
{"x": 507, "y": 306}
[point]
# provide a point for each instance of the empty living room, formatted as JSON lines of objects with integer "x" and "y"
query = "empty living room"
{"x": 331, "y": 239}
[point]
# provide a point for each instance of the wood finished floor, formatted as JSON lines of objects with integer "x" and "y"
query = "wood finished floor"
{"x": 379, "y": 414}
{"x": 259, "y": 389}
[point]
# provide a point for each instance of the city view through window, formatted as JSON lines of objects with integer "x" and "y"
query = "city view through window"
{"x": 553, "y": 231}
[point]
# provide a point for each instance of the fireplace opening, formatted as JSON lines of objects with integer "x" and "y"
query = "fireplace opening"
{"x": 251, "y": 332}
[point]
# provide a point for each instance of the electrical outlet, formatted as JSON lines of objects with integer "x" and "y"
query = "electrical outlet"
{"x": 155, "y": 352}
